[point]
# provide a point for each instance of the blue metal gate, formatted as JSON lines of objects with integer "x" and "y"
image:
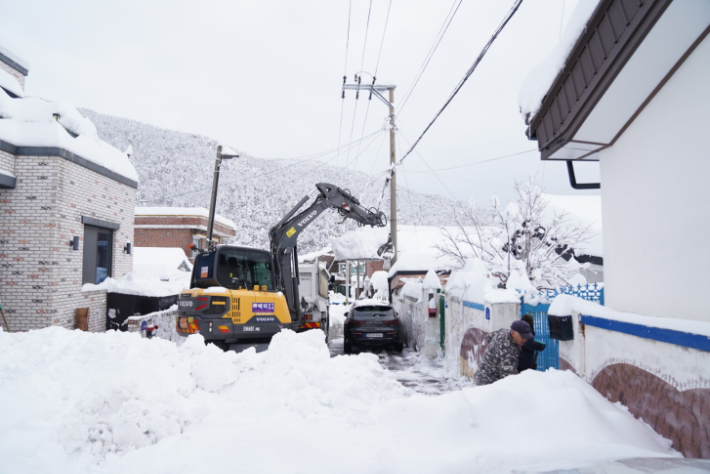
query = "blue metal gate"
{"x": 550, "y": 357}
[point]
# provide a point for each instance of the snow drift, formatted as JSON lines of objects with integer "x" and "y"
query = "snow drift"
{"x": 115, "y": 403}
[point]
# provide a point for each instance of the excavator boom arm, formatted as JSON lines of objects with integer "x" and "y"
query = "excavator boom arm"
{"x": 284, "y": 235}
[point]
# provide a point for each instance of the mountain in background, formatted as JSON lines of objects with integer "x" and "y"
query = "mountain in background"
{"x": 176, "y": 169}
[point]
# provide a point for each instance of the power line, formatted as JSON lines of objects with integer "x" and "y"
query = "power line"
{"x": 367, "y": 30}
{"x": 356, "y": 156}
{"x": 345, "y": 74}
{"x": 377, "y": 67}
{"x": 440, "y": 35}
{"x": 384, "y": 32}
{"x": 480, "y": 162}
{"x": 465, "y": 78}
{"x": 430, "y": 169}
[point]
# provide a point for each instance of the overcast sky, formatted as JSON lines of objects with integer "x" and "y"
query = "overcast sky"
{"x": 265, "y": 77}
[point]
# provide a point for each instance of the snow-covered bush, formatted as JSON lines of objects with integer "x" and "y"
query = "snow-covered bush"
{"x": 521, "y": 238}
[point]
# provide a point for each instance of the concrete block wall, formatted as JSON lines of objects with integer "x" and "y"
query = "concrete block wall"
{"x": 40, "y": 274}
{"x": 17, "y": 74}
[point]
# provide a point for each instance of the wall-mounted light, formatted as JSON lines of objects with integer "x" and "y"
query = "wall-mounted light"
{"x": 127, "y": 248}
{"x": 74, "y": 242}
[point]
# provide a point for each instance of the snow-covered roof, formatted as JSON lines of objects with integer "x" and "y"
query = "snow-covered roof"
{"x": 162, "y": 262}
{"x": 586, "y": 211}
{"x": 12, "y": 51}
{"x": 415, "y": 251}
{"x": 142, "y": 285}
{"x": 539, "y": 79}
{"x": 184, "y": 212}
{"x": 40, "y": 123}
{"x": 9, "y": 83}
{"x": 311, "y": 257}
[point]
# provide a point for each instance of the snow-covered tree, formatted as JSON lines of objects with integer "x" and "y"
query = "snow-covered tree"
{"x": 522, "y": 237}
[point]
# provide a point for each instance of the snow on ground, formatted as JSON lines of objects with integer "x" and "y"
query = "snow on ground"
{"x": 115, "y": 403}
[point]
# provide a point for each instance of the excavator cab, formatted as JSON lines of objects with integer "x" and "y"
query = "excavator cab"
{"x": 233, "y": 268}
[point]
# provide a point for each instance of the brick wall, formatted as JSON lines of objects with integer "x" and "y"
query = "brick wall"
{"x": 40, "y": 274}
{"x": 7, "y": 162}
{"x": 164, "y": 238}
{"x": 166, "y": 235}
{"x": 17, "y": 74}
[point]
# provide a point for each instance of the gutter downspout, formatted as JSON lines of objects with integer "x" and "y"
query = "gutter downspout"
{"x": 573, "y": 181}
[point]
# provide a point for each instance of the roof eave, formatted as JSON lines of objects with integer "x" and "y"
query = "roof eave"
{"x": 582, "y": 82}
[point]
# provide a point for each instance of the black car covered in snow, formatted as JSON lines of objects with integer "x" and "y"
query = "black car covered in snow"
{"x": 372, "y": 325}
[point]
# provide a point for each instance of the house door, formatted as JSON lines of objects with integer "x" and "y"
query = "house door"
{"x": 98, "y": 245}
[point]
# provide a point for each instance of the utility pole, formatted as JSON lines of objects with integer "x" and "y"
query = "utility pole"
{"x": 215, "y": 184}
{"x": 377, "y": 90}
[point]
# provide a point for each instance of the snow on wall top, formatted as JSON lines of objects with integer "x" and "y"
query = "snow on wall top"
{"x": 473, "y": 283}
{"x": 9, "y": 49}
{"x": 585, "y": 211}
{"x": 540, "y": 78}
{"x": 431, "y": 281}
{"x": 40, "y": 123}
{"x": 565, "y": 305}
{"x": 183, "y": 211}
{"x": 9, "y": 83}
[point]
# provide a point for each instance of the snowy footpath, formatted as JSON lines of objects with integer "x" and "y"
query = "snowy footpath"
{"x": 77, "y": 402}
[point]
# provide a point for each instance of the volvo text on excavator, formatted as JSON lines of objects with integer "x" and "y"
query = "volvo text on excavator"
{"x": 240, "y": 297}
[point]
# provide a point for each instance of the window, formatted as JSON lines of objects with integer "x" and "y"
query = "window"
{"x": 98, "y": 255}
{"x": 196, "y": 242}
{"x": 244, "y": 268}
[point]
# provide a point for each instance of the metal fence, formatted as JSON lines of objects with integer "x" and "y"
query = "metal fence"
{"x": 550, "y": 357}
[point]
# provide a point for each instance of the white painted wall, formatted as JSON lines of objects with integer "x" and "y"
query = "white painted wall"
{"x": 595, "y": 348}
{"x": 656, "y": 201}
{"x": 422, "y": 332}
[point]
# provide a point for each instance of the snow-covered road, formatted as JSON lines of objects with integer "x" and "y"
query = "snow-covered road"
{"x": 76, "y": 402}
{"x": 412, "y": 369}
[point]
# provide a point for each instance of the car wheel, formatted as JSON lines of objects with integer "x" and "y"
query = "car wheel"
{"x": 347, "y": 347}
{"x": 398, "y": 347}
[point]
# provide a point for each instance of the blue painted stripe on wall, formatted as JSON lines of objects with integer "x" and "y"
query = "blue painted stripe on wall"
{"x": 679, "y": 338}
{"x": 471, "y": 304}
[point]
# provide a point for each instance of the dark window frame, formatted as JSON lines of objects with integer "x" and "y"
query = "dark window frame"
{"x": 91, "y": 255}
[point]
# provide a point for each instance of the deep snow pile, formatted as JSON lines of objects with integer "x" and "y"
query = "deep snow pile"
{"x": 116, "y": 403}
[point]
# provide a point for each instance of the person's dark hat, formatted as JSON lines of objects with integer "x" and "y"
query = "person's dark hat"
{"x": 522, "y": 328}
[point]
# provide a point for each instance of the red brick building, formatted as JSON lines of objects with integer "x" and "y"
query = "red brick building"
{"x": 179, "y": 227}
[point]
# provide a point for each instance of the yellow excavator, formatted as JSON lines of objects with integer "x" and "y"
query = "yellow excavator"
{"x": 239, "y": 297}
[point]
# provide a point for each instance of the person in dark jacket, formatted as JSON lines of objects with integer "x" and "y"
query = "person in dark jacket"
{"x": 529, "y": 350}
{"x": 502, "y": 353}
